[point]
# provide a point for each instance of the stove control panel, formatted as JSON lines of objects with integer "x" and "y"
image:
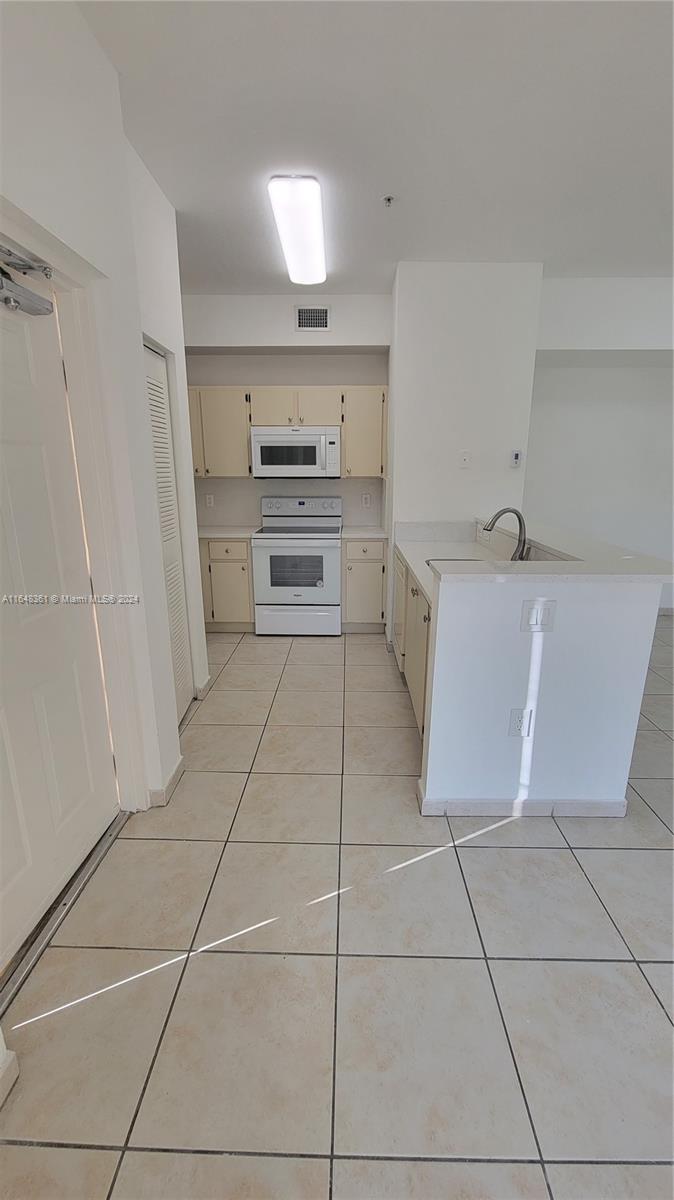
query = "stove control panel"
{"x": 301, "y": 506}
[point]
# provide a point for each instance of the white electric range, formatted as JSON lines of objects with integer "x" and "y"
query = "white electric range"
{"x": 297, "y": 557}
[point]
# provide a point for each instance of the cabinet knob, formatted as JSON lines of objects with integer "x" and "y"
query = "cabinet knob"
{"x": 426, "y": 618}
{"x": 301, "y": 420}
{"x": 348, "y": 470}
{"x": 196, "y": 470}
{"x": 207, "y": 471}
{"x": 290, "y": 420}
{"x": 364, "y": 549}
{"x": 243, "y": 568}
{"x": 349, "y": 568}
{"x": 226, "y": 549}
{"x": 414, "y": 591}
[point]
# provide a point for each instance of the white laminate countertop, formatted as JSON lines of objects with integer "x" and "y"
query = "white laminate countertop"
{"x": 416, "y": 555}
{"x": 363, "y": 533}
{"x": 213, "y": 532}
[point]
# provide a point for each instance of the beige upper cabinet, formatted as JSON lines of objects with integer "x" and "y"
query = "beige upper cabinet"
{"x": 224, "y": 419}
{"x": 273, "y": 405}
{"x": 319, "y": 405}
{"x": 196, "y": 432}
{"x": 362, "y": 440}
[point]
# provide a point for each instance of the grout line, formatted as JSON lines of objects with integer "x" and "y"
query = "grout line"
{"x": 505, "y": 1027}
{"x": 181, "y": 976}
{"x": 639, "y": 779}
{"x": 617, "y": 928}
{"x": 371, "y": 954}
{"x": 337, "y": 931}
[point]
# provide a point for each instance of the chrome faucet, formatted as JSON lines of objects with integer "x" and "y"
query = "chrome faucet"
{"x": 520, "y": 550}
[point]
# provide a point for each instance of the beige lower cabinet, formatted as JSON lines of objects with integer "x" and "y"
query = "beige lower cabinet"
{"x": 399, "y": 602}
{"x": 205, "y": 579}
{"x": 417, "y": 626}
{"x": 364, "y": 593}
{"x": 230, "y": 585}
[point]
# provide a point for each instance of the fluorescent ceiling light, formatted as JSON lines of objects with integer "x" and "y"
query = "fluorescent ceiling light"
{"x": 296, "y": 203}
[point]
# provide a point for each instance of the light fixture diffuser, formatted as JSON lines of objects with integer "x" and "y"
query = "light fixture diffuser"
{"x": 296, "y": 204}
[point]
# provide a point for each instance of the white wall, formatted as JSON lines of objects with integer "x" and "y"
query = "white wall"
{"x": 156, "y": 247}
{"x": 606, "y": 314}
{"x": 600, "y": 449}
{"x": 461, "y": 371}
{"x": 64, "y": 169}
{"x": 259, "y": 369}
{"x": 270, "y": 321}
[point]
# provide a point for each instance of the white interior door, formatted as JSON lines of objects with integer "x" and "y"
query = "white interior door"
{"x": 156, "y": 380}
{"x": 58, "y": 789}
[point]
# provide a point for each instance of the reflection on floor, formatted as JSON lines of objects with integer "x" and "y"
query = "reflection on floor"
{"x": 289, "y": 985}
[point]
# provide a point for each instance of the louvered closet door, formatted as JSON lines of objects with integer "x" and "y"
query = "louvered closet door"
{"x": 160, "y": 415}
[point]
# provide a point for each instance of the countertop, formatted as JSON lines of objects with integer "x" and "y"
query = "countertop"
{"x": 416, "y": 555}
{"x": 363, "y": 532}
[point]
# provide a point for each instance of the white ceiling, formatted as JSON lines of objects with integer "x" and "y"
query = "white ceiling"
{"x": 508, "y": 131}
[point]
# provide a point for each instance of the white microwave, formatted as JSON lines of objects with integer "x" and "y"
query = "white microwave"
{"x": 296, "y": 452}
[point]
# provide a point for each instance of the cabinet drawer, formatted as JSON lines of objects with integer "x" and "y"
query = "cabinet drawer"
{"x": 365, "y": 550}
{"x": 222, "y": 551}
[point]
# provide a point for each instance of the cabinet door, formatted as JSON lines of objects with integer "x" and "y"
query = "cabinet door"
{"x": 196, "y": 431}
{"x": 231, "y": 597}
{"x": 224, "y": 419}
{"x": 205, "y": 580}
{"x": 363, "y": 417}
{"x": 417, "y": 620}
{"x": 319, "y": 405}
{"x": 399, "y": 598}
{"x": 364, "y": 592}
{"x": 273, "y": 406}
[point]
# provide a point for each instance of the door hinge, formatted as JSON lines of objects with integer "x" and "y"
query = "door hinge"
{"x": 213, "y": 614}
{"x": 250, "y": 469}
{"x": 382, "y": 616}
{"x": 381, "y": 469}
{"x": 383, "y": 569}
{"x": 209, "y": 569}
{"x": 342, "y": 417}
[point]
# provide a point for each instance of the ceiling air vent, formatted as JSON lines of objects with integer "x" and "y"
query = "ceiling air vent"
{"x": 316, "y": 317}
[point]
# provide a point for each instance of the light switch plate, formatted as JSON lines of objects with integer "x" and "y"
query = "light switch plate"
{"x": 538, "y": 616}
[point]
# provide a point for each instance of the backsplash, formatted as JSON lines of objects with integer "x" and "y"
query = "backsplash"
{"x": 237, "y": 501}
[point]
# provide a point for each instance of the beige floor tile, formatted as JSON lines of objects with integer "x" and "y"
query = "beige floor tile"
{"x": 522, "y": 831}
{"x": 657, "y": 685}
{"x": 644, "y": 723}
{"x": 202, "y": 806}
{"x": 598, "y": 1029}
{"x": 537, "y": 904}
{"x": 636, "y": 887}
{"x": 220, "y": 652}
{"x": 267, "y": 639}
{"x": 246, "y": 1061}
{"x": 307, "y": 708}
{"x": 659, "y": 710}
{"x": 312, "y": 652}
{"x": 374, "y": 679}
{"x": 639, "y": 828}
{"x": 259, "y": 654}
{"x": 162, "y": 1176}
{"x": 369, "y": 654}
{"x": 267, "y": 881}
{"x": 223, "y": 639}
{"x": 383, "y": 709}
{"x": 145, "y": 894}
{"x": 220, "y": 747}
{"x": 354, "y": 1180}
{"x": 364, "y": 639}
{"x": 661, "y": 658}
{"x": 382, "y": 752}
{"x": 383, "y": 809}
{"x": 664, "y": 633}
{"x": 659, "y": 795}
{"x": 82, "y": 1069}
{"x": 234, "y": 707}
{"x": 427, "y": 1032}
{"x": 660, "y": 976}
{"x": 608, "y": 1181}
{"x": 214, "y": 670}
{"x": 653, "y": 756}
{"x": 303, "y": 751}
{"x": 312, "y": 679}
{"x": 421, "y": 908}
{"x": 248, "y": 679}
{"x": 51, "y": 1173}
{"x": 289, "y": 808}
{"x": 192, "y": 708}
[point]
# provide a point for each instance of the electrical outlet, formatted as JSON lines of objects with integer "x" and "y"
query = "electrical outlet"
{"x": 520, "y": 722}
{"x": 366, "y": 500}
{"x": 209, "y": 500}
{"x": 538, "y": 616}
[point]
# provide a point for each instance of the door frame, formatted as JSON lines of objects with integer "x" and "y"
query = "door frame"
{"x": 74, "y": 281}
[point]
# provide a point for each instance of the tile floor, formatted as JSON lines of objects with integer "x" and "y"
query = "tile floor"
{"x": 287, "y": 985}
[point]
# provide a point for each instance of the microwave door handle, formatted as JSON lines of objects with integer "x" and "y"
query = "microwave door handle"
{"x": 323, "y": 459}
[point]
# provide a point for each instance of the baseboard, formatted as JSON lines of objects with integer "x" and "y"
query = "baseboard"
{"x": 202, "y": 692}
{"x": 230, "y": 626}
{"x": 161, "y": 796}
{"x": 357, "y": 627}
{"x": 526, "y": 808}
{"x": 9, "y": 1073}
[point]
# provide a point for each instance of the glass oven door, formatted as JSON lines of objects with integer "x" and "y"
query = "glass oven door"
{"x": 304, "y": 571}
